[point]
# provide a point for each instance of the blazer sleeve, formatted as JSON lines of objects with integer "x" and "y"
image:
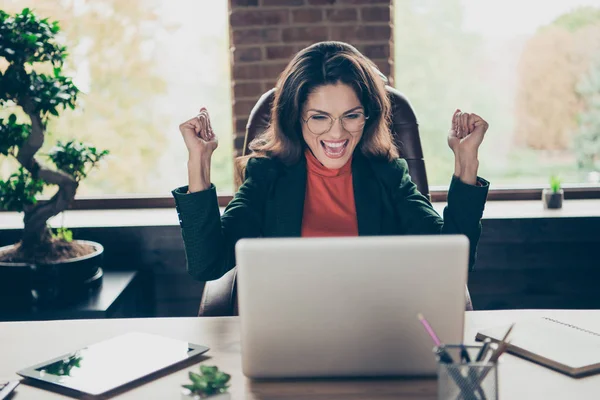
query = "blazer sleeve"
{"x": 462, "y": 215}
{"x": 209, "y": 238}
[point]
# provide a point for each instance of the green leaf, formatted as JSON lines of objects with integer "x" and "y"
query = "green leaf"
{"x": 63, "y": 234}
{"x": 64, "y": 96}
{"x": 19, "y": 191}
{"x": 30, "y": 38}
{"x": 221, "y": 377}
{"x": 75, "y": 158}
{"x": 208, "y": 370}
{"x": 555, "y": 183}
{"x": 12, "y": 135}
{"x": 194, "y": 377}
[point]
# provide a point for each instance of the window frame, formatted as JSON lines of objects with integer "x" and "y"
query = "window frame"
{"x": 529, "y": 193}
{"x": 438, "y": 194}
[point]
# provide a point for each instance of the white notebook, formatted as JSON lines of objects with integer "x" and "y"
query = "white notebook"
{"x": 563, "y": 347}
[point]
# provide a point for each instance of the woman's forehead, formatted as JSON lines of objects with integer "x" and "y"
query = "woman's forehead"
{"x": 333, "y": 99}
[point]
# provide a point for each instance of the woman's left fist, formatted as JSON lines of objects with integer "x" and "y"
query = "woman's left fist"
{"x": 466, "y": 133}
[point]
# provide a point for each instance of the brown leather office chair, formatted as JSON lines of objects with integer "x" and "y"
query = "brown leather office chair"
{"x": 219, "y": 297}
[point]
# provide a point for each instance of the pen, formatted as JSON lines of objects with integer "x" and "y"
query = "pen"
{"x": 484, "y": 349}
{"x": 441, "y": 352}
{"x": 446, "y": 358}
{"x": 429, "y": 329}
{"x": 464, "y": 354}
{"x": 443, "y": 355}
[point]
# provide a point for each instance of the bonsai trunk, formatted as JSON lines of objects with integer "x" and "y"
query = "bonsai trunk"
{"x": 36, "y": 232}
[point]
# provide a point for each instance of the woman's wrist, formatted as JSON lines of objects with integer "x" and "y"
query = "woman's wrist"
{"x": 465, "y": 168}
{"x": 198, "y": 174}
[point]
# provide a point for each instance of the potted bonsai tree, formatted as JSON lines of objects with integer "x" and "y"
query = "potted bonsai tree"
{"x": 553, "y": 196}
{"x": 53, "y": 260}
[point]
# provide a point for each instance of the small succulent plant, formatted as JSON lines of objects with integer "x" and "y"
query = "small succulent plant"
{"x": 209, "y": 382}
{"x": 555, "y": 184}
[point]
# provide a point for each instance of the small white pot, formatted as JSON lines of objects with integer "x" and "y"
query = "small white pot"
{"x": 187, "y": 395}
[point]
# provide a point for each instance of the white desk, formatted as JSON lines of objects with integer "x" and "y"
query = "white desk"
{"x": 26, "y": 343}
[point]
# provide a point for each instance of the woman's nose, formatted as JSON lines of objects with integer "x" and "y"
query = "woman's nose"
{"x": 337, "y": 130}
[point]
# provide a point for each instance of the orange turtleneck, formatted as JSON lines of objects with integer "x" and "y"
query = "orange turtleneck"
{"x": 329, "y": 208}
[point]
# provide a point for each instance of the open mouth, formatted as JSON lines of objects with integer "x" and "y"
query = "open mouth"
{"x": 334, "y": 148}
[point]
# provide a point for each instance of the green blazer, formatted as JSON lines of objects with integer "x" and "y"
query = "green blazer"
{"x": 270, "y": 203}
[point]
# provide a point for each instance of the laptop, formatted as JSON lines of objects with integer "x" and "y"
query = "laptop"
{"x": 347, "y": 307}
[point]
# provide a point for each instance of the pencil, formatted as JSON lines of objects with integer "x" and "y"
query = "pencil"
{"x": 429, "y": 330}
{"x": 502, "y": 345}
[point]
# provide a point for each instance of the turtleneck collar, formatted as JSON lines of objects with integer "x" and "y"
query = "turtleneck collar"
{"x": 314, "y": 166}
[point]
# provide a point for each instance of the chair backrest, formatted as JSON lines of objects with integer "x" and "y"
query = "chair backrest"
{"x": 404, "y": 127}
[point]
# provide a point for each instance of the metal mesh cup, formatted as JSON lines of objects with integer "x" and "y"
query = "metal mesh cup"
{"x": 466, "y": 380}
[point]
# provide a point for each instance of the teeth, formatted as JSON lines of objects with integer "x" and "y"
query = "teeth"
{"x": 339, "y": 144}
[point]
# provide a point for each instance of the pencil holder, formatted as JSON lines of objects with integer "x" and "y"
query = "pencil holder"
{"x": 465, "y": 380}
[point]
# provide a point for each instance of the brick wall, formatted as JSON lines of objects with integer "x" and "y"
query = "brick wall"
{"x": 265, "y": 34}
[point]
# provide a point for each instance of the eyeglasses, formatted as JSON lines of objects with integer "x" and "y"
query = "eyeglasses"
{"x": 319, "y": 124}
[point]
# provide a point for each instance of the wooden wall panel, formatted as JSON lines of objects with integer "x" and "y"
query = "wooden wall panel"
{"x": 522, "y": 263}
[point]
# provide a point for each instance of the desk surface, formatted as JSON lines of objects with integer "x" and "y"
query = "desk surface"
{"x": 26, "y": 343}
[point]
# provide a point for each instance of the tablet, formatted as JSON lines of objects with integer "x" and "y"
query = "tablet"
{"x": 113, "y": 363}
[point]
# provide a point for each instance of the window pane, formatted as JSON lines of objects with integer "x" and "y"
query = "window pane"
{"x": 530, "y": 68}
{"x": 144, "y": 66}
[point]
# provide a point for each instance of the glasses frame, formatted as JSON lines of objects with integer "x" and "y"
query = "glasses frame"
{"x": 340, "y": 118}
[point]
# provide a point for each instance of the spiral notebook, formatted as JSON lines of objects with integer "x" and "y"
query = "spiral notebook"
{"x": 566, "y": 348}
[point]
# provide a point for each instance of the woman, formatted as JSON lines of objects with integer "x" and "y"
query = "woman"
{"x": 327, "y": 166}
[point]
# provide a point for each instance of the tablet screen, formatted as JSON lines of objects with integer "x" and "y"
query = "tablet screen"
{"x": 114, "y": 362}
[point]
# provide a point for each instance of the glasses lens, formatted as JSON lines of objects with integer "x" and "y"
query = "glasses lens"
{"x": 319, "y": 124}
{"x": 354, "y": 122}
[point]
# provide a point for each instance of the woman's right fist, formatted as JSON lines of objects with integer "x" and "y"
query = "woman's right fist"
{"x": 198, "y": 135}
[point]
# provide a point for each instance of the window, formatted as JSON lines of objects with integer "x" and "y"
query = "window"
{"x": 530, "y": 68}
{"x": 144, "y": 66}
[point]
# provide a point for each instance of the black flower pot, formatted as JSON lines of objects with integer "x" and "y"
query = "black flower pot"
{"x": 52, "y": 284}
{"x": 553, "y": 200}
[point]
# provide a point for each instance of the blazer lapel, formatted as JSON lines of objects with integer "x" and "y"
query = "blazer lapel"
{"x": 289, "y": 200}
{"x": 366, "y": 197}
